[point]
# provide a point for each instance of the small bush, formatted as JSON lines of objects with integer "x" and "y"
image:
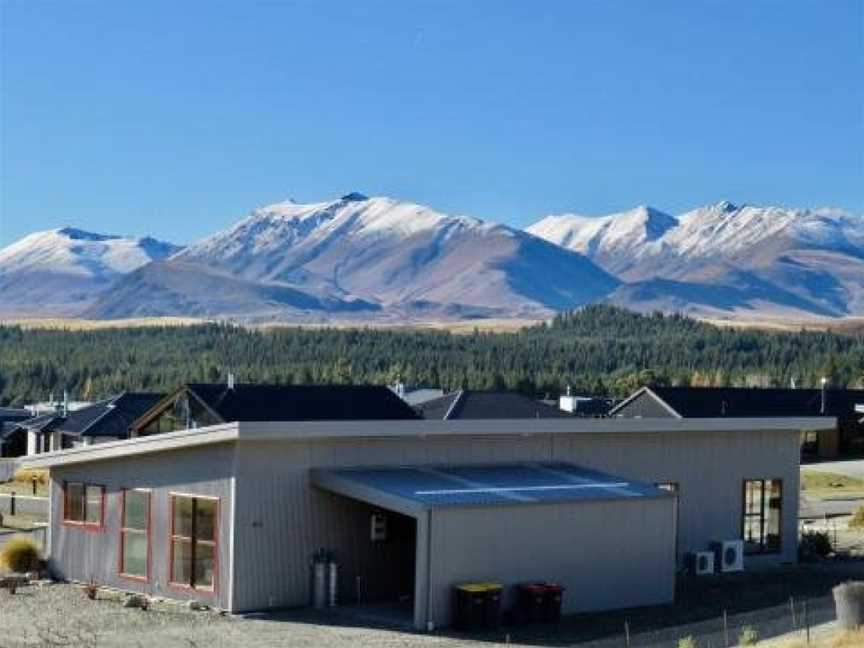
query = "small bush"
{"x": 814, "y": 544}
{"x": 20, "y": 554}
{"x": 26, "y": 475}
{"x": 857, "y": 519}
{"x": 748, "y": 636}
{"x": 687, "y": 642}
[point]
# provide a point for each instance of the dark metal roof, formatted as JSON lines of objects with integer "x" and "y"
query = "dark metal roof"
{"x": 710, "y": 402}
{"x": 424, "y": 487}
{"x": 249, "y": 402}
{"x": 465, "y": 404}
{"x": 13, "y": 414}
{"x": 111, "y": 417}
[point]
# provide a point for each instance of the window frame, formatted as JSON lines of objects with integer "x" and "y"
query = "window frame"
{"x": 190, "y": 586}
{"x": 83, "y": 523}
{"x": 123, "y": 530}
{"x": 762, "y": 548}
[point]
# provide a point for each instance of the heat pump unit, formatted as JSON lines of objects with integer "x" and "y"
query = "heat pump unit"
{"x": 729, "y": 555}
{"x": 701, "y": 563}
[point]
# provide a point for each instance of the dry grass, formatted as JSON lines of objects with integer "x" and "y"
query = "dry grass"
{"x": 847, "y": 325}
{"x": 823, "y": 484}
{"x": 73, "y": 324}
{"x": 20, "y": 554}
{"x": 22, "y": 483}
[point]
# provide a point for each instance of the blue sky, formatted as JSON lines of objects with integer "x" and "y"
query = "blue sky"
{"x": 176, "y": 118}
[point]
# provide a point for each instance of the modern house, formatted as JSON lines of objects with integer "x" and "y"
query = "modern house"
{"x": 846, "y": 438}
{"x": 106, "y": 420}
{"x": 231, "y": 513}
{"x": 195, "y": 405}
{"x": 467, "y": 404}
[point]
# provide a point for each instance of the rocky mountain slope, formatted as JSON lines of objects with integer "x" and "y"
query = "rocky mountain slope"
{"x": 724, "y": 259}
{"x": 359, "y": 254}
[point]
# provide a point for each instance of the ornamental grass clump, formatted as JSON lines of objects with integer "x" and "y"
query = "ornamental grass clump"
{"x": 20, "y": 554}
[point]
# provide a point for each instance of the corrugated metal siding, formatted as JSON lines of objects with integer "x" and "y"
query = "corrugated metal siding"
{"x": 79, "y": 554}
{"x": 608, "y": 555}
{"x": 710, "y": 469}
{"x": 285, "y": 519}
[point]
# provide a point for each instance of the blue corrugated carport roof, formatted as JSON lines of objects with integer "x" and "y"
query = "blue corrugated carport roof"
{"x": 424, "y": 487}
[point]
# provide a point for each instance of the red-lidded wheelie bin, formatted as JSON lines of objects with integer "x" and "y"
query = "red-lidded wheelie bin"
{"x": 532, "y": 597}
{"x": 552, "y": 600}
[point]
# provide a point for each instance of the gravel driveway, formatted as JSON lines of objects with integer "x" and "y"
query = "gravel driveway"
{"x": 60, "y": 615}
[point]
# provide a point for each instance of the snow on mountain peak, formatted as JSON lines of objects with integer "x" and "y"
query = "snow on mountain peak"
{"x": 72, "y": 251}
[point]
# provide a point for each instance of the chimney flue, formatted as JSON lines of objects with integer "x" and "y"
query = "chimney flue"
{"x": 230, "y": 381}
{"x": 824, "y": 396}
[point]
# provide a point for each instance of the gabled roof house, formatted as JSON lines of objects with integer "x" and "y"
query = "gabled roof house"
{"x": 467, "y": 404}
{"x": 732, "y": 402}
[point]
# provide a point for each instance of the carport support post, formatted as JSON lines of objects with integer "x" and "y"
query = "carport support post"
{"x": 422, "y": 575}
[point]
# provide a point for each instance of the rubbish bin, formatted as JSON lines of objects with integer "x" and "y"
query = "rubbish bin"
{"x": 849, "y": 603}
{"x": 470, "y": 604}
{"x": 532, "y": 597}
{"x": 552, "y": 602}
{"x": 492, "y": 606}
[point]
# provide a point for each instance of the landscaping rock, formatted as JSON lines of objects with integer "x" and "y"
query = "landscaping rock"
{"x": 137, "y": 601}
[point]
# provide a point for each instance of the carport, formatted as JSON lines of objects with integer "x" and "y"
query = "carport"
{"x": 609, "y": 541}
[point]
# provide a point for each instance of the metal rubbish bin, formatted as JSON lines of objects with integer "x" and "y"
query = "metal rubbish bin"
{"x": 849, "y": 604}
{"x": 552, "y": 600}
{"x": 532, "y": 598}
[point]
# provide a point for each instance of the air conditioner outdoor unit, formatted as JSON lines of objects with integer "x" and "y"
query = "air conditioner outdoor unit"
{"x": 729, "y": 555}
{"x": 701, "y": 562}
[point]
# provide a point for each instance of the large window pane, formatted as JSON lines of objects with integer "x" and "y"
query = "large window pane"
{"x": 183, "y": 516}
{"x": 74, "y": 511}
{"x": 204, "y": 565}
{"x": 135, "y": 553}
{"x": 181, "y": 565}
{"x": 205, "y": 519}
{"x": 94, "y": 505}
{"x": 135, "y": 512}
{"x": 762, "y": 513}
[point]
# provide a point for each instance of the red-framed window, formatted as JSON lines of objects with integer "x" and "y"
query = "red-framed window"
{"x": 135, "y": 534}
{"x": 194, "y": 542}
{"x": 83, "y": 505}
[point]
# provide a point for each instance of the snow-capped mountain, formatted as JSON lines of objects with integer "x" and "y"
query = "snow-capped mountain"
{"x": 724, "y": 259}
{"x": 61, "y": 271}
{"x": 371, "y": 254}
{"x": 613, "y": 241}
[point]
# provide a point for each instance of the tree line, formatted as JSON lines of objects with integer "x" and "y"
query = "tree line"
{"x": 600, "y": 350}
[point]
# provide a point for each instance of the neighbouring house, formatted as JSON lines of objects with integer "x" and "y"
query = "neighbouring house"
{"x": 468, "y": 404}
{"x": 231, "y": 513}
{"x": 197, "y": 405}
{"x": 10, "y": 444}
{"x": 105, "y": 420}
{"x": 846, "y": 438}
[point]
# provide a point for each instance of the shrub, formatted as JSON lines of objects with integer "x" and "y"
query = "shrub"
{"x": 857, "y": 519}
{"x": 687, "y": 642}
{"x": 748, "y": 636}
{"x": 26, "y": 475}
{"x": 20, "y": 554}
{"x": 814, "y": 544}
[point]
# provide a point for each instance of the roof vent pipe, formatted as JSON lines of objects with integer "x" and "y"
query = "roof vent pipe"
{"x": 824, "y": 396}
{"x": 230, "y": 381}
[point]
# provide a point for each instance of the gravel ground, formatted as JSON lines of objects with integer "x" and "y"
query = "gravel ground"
{"x": 60, "y": 615}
